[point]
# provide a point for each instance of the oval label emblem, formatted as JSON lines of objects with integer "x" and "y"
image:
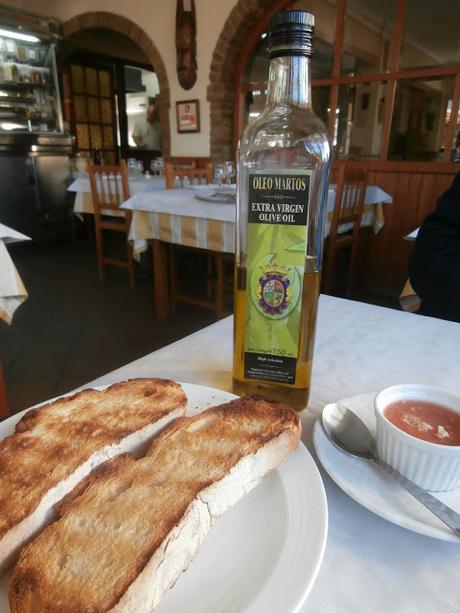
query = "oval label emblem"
{"x": 275, "y": 288}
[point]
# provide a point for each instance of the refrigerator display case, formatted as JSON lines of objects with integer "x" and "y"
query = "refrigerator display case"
{"x": 34, "y": 148}
{"x": 29, "y": 92}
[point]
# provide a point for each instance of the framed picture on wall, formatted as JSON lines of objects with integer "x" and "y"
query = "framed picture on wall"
{"x": 188, "y": 116}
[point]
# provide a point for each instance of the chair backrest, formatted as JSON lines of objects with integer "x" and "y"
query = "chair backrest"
{"x": 350, "y": 185}
{"x": 200, "y": 175}
{"x": 109, "y": 186}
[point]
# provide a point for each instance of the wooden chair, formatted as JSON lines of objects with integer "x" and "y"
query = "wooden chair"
{"x": 4, "y": 407}
{"x": 348, "y": 209}
{"x": 215, "y": 261}
{"x": 203, "y": 175}
{"x": 109, "y": 189}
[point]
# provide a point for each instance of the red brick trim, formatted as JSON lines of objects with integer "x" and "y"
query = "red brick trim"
{"x": 243, "y": 18}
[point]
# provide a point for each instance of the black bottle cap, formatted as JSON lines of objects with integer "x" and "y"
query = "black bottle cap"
{"x": 291, "y": 33}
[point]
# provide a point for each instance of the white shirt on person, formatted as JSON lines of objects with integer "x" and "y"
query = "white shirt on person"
{"x": 148, "y": 133}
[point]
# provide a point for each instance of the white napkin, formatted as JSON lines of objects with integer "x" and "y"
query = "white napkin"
{"x": 12, "y": 290}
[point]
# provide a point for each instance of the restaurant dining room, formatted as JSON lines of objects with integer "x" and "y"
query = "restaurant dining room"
{"x": 229, "y": 306}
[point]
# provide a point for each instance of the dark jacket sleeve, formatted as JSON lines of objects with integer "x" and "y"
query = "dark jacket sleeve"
{"x": 434, "y": 268}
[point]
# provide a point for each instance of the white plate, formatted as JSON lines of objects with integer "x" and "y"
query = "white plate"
{"x": 263, "y": 554}
{"x": 375, "y": 490}
{"x": 220, "y": 197}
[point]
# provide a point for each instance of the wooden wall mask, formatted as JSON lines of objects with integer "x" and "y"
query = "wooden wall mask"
{"x": 186, "y": 43}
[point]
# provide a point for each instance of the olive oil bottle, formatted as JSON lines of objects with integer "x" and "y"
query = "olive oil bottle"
{"x": 283, "y": 162}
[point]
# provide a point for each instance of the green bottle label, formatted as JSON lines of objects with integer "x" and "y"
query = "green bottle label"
{"x": 277, "y": 220}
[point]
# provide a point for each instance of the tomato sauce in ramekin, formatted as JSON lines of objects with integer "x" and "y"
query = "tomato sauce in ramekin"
{"x": 428, "y": 421}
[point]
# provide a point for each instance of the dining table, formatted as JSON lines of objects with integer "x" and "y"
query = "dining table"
{"x": 370, "y": 564}
{"x": 183, "y": 217}
{"x": 191, "y": 218}
{"x": 12, "y": 290}
{"x": 83, "y": 202}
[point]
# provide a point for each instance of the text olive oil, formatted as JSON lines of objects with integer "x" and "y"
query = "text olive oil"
{"x": 283, "y": 161}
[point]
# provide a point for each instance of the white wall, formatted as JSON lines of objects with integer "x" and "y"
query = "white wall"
{"x": 158, "y": 19}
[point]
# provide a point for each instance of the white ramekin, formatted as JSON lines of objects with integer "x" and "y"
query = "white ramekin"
{"x": 432, "y": 466}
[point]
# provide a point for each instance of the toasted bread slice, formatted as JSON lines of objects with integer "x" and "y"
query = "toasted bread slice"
{"x": 128, "y": 536}
{"x": 57, "y": 445}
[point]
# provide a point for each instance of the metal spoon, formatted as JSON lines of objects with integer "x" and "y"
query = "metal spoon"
{"x": 350, "y": 434}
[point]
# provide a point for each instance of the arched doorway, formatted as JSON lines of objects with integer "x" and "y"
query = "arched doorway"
{"x": 127, "y": 28}
{"x": 240, "y": 45}
{"x": 236, "y": 43}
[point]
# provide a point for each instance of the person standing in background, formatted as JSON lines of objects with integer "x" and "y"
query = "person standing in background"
{"x": 146, "y": 133}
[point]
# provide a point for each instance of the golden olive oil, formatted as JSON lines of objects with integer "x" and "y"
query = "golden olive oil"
{"x": 294, "y": 395}
{"x": 283, "y": 163}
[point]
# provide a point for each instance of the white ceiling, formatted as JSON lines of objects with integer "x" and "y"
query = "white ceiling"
{"x": 432, "y": 25}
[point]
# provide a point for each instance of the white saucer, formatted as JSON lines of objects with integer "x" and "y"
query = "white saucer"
{"x": 219, "y": 197}
{"x": 375, "y": 490}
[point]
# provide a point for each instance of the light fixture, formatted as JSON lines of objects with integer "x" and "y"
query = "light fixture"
{"x": 6, "y": 125}
{"x": 28, "y": 38}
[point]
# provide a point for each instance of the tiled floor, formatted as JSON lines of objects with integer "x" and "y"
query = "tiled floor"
{"x": 75, "y": 327}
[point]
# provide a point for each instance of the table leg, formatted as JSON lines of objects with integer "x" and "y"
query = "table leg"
{"x": 160, "y": 279}
{"x": 219, "y": 300}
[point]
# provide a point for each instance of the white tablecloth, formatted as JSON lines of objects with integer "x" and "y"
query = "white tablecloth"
{"x": 149, "y": 195}
{"x": 12, "y": 290}
{"x": 370, "y": 565}
{"x": 179, "y": 201}
{"x": 9, "y": 235}
{"x": 408, "y": 299}
{"x": 82, "y": 189}
{"x": 180, "y": 204}
{"x": 412, "y": 235}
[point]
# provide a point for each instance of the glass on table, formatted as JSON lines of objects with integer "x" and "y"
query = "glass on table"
{"x": 154, "y": 167}
{"x": 80, "y": 164}
{"x": 219, "y": 173}
{"x": 139, "y": 168}
{"x": 132, "y": 166}
{"x": 157, "y": 166}
{"x": 229, "y": 172}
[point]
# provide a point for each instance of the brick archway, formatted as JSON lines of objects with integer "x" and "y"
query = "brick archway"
{"x": 235, "y": 45}
{"x": 125, "y": 26}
